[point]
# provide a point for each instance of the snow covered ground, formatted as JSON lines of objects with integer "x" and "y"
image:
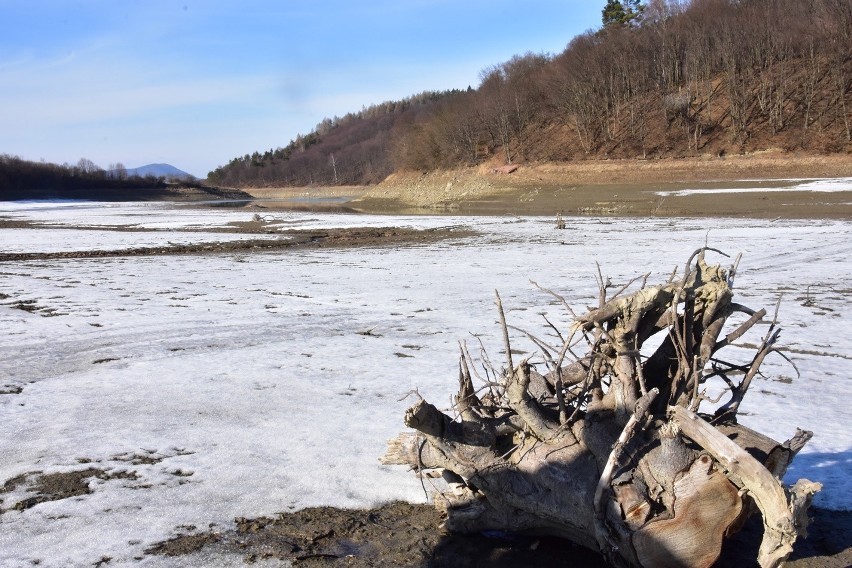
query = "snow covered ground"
{"x": 243, "y": 384}
{"x": 822, "y": 185}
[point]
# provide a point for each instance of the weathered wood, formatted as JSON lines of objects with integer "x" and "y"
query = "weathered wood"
{"x": 706, "y": 504}
{"x": 602, "y": 491}
{"x": 780, "y": 531}
{"x": 609, "y": 450}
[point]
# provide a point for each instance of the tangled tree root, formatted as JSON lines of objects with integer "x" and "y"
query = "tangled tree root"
{"x": 610, "y": 449}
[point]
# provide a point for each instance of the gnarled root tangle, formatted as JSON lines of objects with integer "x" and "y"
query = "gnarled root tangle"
{"x": 610, "y": 449}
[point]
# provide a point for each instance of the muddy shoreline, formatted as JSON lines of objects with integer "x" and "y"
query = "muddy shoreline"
{"x": 631, "y": 188}
{"x": 636, "y": 188}
{"x": 403, "y": 534}
{"x": 280, "y": 240}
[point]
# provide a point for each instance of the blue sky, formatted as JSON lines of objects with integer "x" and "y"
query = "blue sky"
{"x": 197, "y": 83}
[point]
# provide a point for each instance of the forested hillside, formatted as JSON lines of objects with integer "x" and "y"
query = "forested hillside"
{"x": 25, "y": 179}
{"x": 659, "y": 79}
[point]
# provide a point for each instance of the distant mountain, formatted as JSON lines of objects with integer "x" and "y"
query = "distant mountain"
{"x": 159, "y": 170}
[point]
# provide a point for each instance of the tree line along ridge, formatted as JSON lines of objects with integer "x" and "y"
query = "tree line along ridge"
{"x": 659, "y": 79}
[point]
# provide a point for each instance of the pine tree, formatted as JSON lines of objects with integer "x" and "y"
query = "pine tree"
{"x": 621, "y": 13}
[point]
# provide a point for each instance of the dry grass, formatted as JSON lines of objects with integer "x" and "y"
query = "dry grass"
{"x": 305, "y": 192}
{"x": 620, "y": 187}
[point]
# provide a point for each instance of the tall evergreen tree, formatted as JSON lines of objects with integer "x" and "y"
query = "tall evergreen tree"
{"x": 621, "y": 13}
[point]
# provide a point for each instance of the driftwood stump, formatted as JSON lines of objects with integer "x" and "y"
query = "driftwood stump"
{"x": 609, "y": 449}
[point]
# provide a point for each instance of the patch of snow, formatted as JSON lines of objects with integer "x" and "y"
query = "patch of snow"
{"x": 814, "y": 185}
{"x": 238, "y": 384}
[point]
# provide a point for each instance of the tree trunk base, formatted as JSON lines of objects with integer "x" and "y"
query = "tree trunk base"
{"x": 608, "y": 450}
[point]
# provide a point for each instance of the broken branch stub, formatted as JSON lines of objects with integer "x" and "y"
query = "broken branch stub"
{"x": 610, "y": 449}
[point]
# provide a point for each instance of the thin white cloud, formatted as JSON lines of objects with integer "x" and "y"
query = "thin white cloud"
{"x": 80, "y": 93}
{"x": 197, "y": 84}
{"x": 118, "y": 109}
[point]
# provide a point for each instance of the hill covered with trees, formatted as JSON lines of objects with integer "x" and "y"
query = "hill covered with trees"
{"x": 25, "y": 179}
{"x": 658, "y": 79}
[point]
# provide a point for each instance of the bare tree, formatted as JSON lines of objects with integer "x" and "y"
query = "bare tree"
{"x": 120, "y": 171}
{"x": 86, "y": 166}
{"x": 751, "y": 69}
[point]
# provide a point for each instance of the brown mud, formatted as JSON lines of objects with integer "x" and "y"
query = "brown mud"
{"x": 402, "y": 534}
{"x": 54, "y": 486}
{"x": 599, "y": 187}
{"x": 282, "y": 240}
